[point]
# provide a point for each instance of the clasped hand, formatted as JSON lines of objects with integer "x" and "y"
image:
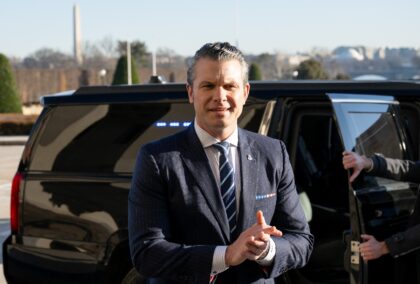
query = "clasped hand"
{"x": 252, "y": 242}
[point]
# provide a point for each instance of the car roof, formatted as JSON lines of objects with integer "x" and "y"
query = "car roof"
{"x": 264, "y": 90}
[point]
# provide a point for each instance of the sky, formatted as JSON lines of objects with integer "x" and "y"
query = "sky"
{"x": 256, "y": 26}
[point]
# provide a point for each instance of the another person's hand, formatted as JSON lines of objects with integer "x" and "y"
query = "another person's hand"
{"x": 251, "y": 243}
{"x": 356, "y": 162}
{"x": 371, "y": 248}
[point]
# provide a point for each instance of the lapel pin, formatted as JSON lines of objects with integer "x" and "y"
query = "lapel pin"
{"x": 249, "y": 158}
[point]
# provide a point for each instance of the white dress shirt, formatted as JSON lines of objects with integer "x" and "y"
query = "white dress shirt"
{"x": 219, "y": 264}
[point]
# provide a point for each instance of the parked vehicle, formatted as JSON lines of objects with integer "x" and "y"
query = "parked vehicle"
{"x": 69, "y": 195}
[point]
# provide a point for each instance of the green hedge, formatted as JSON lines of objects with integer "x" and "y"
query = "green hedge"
{"x": 16, "y": 123}
{"x": 10, "y": 101}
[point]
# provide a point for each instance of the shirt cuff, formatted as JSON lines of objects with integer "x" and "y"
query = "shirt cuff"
{"x": 371, "y": 165}
{"x": 269, "y": 258}
{"x": 219, "y": 264}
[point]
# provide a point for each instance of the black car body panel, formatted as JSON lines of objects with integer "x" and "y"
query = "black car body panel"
{"x": 77, "y": 165}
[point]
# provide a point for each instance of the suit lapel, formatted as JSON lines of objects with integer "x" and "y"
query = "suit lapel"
{"x": 249, "y": 175}
{"x": 197, "y": 163}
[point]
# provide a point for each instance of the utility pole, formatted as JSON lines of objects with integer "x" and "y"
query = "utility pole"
{"x": 129, "y": 81}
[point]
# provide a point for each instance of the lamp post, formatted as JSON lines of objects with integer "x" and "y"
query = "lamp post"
{"x": 102, "y": 76}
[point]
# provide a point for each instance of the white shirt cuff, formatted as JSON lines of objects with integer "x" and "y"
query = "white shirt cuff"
{"x": 269, "y": 258}
{"x": 219, "y": 264}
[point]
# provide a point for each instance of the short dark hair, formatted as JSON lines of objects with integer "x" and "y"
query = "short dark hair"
{"x": 219, "y": 51}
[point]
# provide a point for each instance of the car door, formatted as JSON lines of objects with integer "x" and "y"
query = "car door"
{"x": 306, "y": 125}
{"x": 369, "y": 124}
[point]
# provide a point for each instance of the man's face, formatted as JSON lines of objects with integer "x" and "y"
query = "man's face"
{"x": 218, "y": 94}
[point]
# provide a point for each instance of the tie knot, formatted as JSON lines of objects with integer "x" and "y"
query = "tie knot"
{"x": 222, "y": 146}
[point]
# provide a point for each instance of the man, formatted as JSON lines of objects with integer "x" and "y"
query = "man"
{"x": 404, "y": 170}
{"x": 185, "y": 224}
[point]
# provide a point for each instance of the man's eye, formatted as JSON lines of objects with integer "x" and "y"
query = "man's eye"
{"x": 230, "y": 87}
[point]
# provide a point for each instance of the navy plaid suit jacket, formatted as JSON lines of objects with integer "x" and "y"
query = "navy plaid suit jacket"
{"x": 177, "y": 218}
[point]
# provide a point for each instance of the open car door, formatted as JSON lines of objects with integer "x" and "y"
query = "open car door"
{"x": 368, "y": 125}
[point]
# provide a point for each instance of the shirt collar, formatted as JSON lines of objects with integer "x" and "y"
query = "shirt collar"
{"x": 207, "y": 140}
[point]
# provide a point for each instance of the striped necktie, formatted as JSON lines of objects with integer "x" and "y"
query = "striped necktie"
{"x": 227, "y": 184}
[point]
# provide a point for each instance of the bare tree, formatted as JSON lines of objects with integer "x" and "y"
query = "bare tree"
{"x": 48, "y": 58}
{"x": 109, "y": 47}
{"x": 100, "y": 55}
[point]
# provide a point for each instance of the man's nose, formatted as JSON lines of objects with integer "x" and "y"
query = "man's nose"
{"x": 220, "y": 94}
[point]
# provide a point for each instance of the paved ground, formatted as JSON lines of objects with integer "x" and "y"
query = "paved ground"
{"x": 10, "y": 154}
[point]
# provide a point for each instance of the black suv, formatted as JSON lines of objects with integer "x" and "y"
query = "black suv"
{"x": 69, "y": 195}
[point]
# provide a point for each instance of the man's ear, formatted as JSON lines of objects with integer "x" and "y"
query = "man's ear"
{"x": 247, "y": 87}
{"x": 190, "y": 93}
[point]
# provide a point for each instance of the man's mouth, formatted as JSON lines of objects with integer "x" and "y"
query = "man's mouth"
{"x": 220, "y": 109}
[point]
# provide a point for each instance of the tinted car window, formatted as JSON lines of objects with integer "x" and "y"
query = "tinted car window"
{"x": 105, "y": 138}
{"x": 410, "y": 114}
{"x": 369, "y": 125}
{"x": 251, "y": 116}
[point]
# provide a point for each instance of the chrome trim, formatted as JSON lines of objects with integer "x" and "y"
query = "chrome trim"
{"x": 364, "y": 101}
{"x": 266, "y": 119}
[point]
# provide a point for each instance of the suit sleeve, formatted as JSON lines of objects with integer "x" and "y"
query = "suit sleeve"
{"x": 396, "y": 169}
{"x": 404, "y": 170}
{"x": 149, "y": 230}
{"x": 404, "y": 242}
{"x": 294, "y": 248}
